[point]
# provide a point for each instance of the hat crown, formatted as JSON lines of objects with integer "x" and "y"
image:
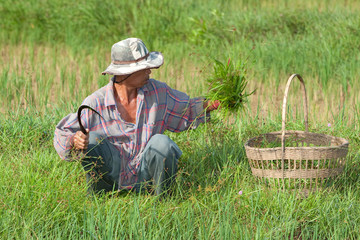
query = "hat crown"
{"x": 131, "y": 55}
{"x": 129, "y": 49}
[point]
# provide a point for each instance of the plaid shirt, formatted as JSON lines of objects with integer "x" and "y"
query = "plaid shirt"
{"x": 159, "y": 108}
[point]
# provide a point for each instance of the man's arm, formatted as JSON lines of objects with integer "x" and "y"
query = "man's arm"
{"x": 184, "y": 112}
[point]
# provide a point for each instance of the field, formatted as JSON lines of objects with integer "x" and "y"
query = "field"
{"x": 52, "y": 56}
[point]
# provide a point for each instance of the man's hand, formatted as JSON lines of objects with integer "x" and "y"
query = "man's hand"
{"x": 81, "y": 140}
{"x": 211, "y": 105}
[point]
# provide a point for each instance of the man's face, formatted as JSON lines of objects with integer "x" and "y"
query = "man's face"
{"x": 138, "y": 79}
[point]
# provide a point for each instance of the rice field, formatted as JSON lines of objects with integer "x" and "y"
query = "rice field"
{"x": 52, "y": 56}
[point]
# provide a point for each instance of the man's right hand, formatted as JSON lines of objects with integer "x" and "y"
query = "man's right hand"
{"x": 81, "y": 140}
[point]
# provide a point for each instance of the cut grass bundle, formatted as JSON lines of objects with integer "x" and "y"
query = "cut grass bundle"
{"x": 227, "y": 85}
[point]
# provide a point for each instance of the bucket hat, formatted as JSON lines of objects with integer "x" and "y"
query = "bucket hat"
{"x": 131, "y": 55}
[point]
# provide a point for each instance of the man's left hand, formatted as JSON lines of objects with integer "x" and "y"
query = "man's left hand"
{"x": 211, "y": 105}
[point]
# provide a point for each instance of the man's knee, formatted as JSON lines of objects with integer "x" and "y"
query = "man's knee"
{"x": 94, "y": 138}
{"x": 95, "y": 147}
{"x": 163, "y": 144}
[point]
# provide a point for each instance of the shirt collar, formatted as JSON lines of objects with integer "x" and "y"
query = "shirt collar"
{"x": 109, "y": 95}
{"x": 145, "y": 88}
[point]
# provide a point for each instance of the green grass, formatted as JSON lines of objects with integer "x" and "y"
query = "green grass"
{"x": 46, "y": 47}
{"x": 51, "y": 58}
{"x": 43, "y": 197}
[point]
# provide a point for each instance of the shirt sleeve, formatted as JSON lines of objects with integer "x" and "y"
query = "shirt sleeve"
{"x": 65, "y": 132}
{"x": 183, "y": 112}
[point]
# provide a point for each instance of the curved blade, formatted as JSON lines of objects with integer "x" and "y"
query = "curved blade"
{"x": 82, "y": 129}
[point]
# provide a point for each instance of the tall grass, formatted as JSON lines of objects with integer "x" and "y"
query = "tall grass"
{"x": 52, "y": 54}
{"x": 62, "y": 45}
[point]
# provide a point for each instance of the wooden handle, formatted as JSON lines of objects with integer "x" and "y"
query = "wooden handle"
{"x": 284, "y": 107}
{"x": 284, "y": 114}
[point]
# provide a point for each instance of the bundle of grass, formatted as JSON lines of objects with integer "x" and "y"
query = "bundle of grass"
{"x": 227, "y": 85}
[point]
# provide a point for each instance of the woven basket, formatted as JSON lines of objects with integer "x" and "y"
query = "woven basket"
{"x": 307, "y": 166}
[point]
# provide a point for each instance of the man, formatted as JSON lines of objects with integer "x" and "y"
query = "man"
{"x": 125, "y": 147}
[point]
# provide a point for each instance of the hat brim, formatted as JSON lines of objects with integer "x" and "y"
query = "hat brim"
{"x": 154, "y": 60}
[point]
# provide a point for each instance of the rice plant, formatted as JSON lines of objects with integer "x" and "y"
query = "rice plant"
{"x": 228, "y": 85}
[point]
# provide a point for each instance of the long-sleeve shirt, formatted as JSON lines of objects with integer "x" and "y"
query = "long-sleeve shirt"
{"x": 159, "y": 108}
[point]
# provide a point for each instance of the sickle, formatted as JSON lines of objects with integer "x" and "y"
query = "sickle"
{"x": 82, "y": 129}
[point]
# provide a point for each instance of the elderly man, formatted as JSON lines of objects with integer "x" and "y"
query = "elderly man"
{"x": 125, "y": 147}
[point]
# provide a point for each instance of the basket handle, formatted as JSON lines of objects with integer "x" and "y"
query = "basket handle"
{"x": 284, "y": 109}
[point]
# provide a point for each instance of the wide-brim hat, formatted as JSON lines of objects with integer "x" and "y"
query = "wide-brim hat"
{"x": 131, "y": 55}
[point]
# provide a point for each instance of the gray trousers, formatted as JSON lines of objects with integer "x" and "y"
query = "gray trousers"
{"x": 158, "y": 165}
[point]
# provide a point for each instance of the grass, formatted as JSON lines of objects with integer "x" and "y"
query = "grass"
{"x": 51, "y": 60}
{"x": 312, "y": 39}
{"x": 43, "y": 197}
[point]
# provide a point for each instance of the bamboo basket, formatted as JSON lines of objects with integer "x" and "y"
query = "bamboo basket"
{"x": 307, "y": 166}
